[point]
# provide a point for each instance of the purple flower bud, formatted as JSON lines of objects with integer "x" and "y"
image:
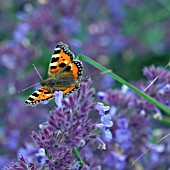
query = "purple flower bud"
{"x": 113, "y": 111}
{"x": 123, "y": 137}
{"x": 106, "y": 120}
{"x": 41, "y": 156}
{"x": 107, "y": 135}
{"x": 101, "y": 108}
{"x": 122, "y": 123}
{"x": 101, "y": 95}
{"x": 101, "y": 126}
{"x": 58, "y": 98}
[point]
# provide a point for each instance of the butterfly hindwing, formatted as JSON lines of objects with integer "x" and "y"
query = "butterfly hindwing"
{"x": 77, "y": 69}
{"x": 38, "y": 96}
{"x": 72, "y": 74}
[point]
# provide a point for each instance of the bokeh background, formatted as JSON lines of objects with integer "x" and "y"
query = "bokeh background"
{"x": 123, "y": 35}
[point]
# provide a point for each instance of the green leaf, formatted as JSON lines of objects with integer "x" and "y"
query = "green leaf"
{"x": 122, "y": 81}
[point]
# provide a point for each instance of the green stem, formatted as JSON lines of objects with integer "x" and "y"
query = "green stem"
{"x": 166, "y": 120}
{"x": 122, "y": 81}
{"x": 76, "y": 152}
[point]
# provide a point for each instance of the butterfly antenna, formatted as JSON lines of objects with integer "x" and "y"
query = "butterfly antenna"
{"x": 37, "y": 71}
{"x": 33, "y": 84}
{"x": 150, "y": 148}
{"x": 28, "y": 87}
{"x": 156, "y": 77}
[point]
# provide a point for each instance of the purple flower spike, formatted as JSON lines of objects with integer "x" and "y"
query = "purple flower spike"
{"x": 106, "y": 121}
{"x": 69, "y": 126}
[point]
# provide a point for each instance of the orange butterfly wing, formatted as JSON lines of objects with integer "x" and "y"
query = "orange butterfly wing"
{"x": 38, "y": 96}
{"x": 76, "y": 70}
{"x": 61, "y": 58}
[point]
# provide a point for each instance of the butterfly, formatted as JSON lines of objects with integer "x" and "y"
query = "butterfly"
{"x": 64, "y": 74}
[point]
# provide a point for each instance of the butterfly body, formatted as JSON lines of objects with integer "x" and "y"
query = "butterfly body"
{"x": 64, "y": 75}
{"x": 59, "y": 82}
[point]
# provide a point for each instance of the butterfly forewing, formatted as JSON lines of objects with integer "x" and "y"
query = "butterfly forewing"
{"x": 61, "y": 57}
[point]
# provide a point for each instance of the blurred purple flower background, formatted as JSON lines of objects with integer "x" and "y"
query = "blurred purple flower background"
{"x": 112, "y": 127}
